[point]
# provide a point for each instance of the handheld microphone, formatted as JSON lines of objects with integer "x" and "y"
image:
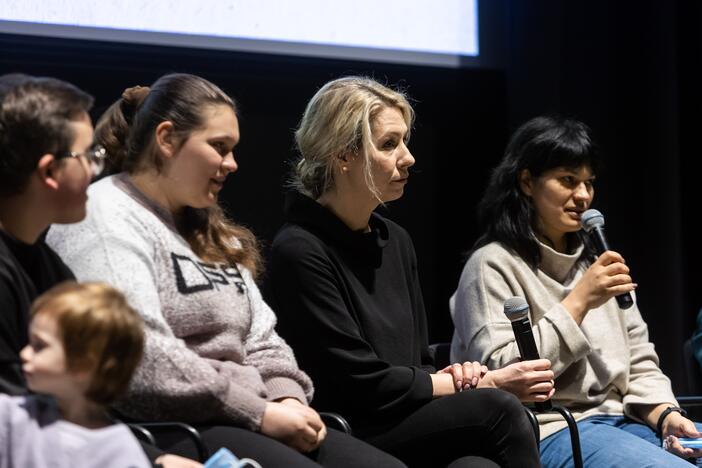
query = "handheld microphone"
{"x": 593, "y": 223}
{"x": 517, "y": 311}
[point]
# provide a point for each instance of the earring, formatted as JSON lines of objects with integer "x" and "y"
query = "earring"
{"x": 344, "y": 168}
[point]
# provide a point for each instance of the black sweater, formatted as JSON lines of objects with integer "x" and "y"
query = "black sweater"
{"x": 26, "y": 271}
{"x": 351, "y": 307}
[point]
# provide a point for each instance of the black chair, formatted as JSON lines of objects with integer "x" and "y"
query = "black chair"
{"x": 692, "y": 402}
{"x": 441, "y": 353}
{"x": 153, "y": 432}
{"x": 336, "y": 421}
{"x": 693, "y": 372}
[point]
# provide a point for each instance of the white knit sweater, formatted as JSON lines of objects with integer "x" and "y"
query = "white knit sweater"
{"x": 604, "y": 366}
{"x": 212, "y": 354}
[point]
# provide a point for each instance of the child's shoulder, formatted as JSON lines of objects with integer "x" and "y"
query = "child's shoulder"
{"x": 28, "y": 407}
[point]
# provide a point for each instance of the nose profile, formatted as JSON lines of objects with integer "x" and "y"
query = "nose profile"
{"x": 406, "y": 160}
{"x": 582, "y": 192}
{"x": 229, "y": 164}
{"x": 26, "y": 353}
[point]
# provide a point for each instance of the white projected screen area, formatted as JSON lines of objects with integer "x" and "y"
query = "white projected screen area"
{"x": 415, "y": 31}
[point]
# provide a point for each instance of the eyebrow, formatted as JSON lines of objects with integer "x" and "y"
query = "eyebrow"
{"x": 396, "y": 133}
{"x": 574, "y": 172}
{"x": 226, "y": 137}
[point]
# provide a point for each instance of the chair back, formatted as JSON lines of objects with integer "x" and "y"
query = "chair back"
{"x": 693, "y": 372}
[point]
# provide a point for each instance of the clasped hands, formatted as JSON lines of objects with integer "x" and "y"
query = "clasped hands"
{"x": 528, "y": 380}
{"x": 294, "y": 424}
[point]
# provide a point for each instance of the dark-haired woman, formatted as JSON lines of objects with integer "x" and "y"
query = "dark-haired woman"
{"x": 606, "y": 369}
{"x": 155, "y": 231}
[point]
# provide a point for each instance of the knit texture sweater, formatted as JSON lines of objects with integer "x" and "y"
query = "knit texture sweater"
{"x": 350, "y": 304}
{"x": 211, "y": 353}
{"x": 605, "y": 365}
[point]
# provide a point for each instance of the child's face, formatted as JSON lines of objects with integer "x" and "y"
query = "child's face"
{"x": 44, "y": 361}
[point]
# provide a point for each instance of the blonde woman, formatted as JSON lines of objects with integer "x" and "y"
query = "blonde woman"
{"x": 345, "y": 284}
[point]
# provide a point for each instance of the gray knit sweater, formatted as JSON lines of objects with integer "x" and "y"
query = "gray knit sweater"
{"x": 604, "y": 366}
{"x": 211, "y": 354}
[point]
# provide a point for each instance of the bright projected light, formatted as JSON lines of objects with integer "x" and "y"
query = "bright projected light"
{"x": 443, "y": 32}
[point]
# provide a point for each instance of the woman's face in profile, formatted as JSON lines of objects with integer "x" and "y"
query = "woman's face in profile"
{"x": 202, "y": 164}
{"x": 559, "y": 197}
{"x": 390, "y": 158}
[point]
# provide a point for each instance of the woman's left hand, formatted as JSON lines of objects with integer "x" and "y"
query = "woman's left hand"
{"x": 466, "y": 375}
{"x": 676, "y": 425}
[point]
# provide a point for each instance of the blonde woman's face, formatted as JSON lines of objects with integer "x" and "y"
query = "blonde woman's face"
{"x": 390, "y": 158}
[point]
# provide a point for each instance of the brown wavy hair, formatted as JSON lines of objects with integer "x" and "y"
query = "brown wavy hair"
{"x": 127, "y": 131}
{"x": 100, "y": 333}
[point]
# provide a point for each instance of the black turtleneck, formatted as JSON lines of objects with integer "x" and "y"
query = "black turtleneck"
{"x": 350, "y": 305}
{"x": 26, "y": 271}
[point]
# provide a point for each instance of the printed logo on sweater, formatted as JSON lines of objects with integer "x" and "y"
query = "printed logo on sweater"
{"x": 194, "y": 276}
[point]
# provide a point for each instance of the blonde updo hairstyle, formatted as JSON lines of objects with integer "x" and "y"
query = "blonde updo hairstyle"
{"x": 338, "y": 121}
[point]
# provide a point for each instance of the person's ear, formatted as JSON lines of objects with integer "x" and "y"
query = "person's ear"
{"x": 526, "y": 182}
{"x": 343, "y": 160}
{"x": 83, "y": 375}
{"x": 166, "y": 138}
{"x": 46, "y": 171}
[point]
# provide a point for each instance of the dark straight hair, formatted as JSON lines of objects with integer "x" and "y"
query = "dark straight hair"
{"x": 505, "y": 214}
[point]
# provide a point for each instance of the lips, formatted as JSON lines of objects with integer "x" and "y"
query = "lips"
{"x": 576, "y": 214}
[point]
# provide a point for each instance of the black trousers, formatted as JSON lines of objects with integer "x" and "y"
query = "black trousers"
{"x": 483, "y": 427}
{"x": 337, "y": 450}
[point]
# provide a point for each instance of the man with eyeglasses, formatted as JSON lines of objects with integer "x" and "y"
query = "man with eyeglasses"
{"x": 46, "y": 164}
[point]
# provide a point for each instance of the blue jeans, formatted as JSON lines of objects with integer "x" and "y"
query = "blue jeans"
{"x": 610, "y": 441}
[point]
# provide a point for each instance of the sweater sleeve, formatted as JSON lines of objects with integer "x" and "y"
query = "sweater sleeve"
{"x": 268, "y": 352}
{"x": 172, "y": 382}
{"x": 483, "y": 332}
{"x": 312, "y": 305}
{"x": 647, "y": 383}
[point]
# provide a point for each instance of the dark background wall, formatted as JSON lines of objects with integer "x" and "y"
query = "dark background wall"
{"x": 628, "y": 69}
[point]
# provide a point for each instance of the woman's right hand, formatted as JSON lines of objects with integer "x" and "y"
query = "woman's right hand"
{"x": 527, "y": 380}
{"x": 606, "y": 278}
{"x": 296, "y": 425}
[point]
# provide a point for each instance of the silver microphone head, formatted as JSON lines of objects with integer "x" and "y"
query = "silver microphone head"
{"x": 591, "y": 219}
{"x": 516, "y": 308}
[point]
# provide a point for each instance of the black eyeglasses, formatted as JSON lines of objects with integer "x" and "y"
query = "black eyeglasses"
{"x": 95, "y": 157}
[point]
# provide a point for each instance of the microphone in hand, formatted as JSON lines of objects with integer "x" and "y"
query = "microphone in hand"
{"x": 593, "y": 223}
{"x": 517, "y": 311}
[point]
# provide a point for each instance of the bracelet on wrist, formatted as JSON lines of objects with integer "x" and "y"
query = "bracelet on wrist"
{"x": 664, "y": 414}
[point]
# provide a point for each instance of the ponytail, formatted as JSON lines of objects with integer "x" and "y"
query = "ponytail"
{"x": 127, "y": 129}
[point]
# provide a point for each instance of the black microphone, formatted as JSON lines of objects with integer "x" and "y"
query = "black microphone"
{"x": 593, "y": 223}
{"x": 517, "y": 311}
